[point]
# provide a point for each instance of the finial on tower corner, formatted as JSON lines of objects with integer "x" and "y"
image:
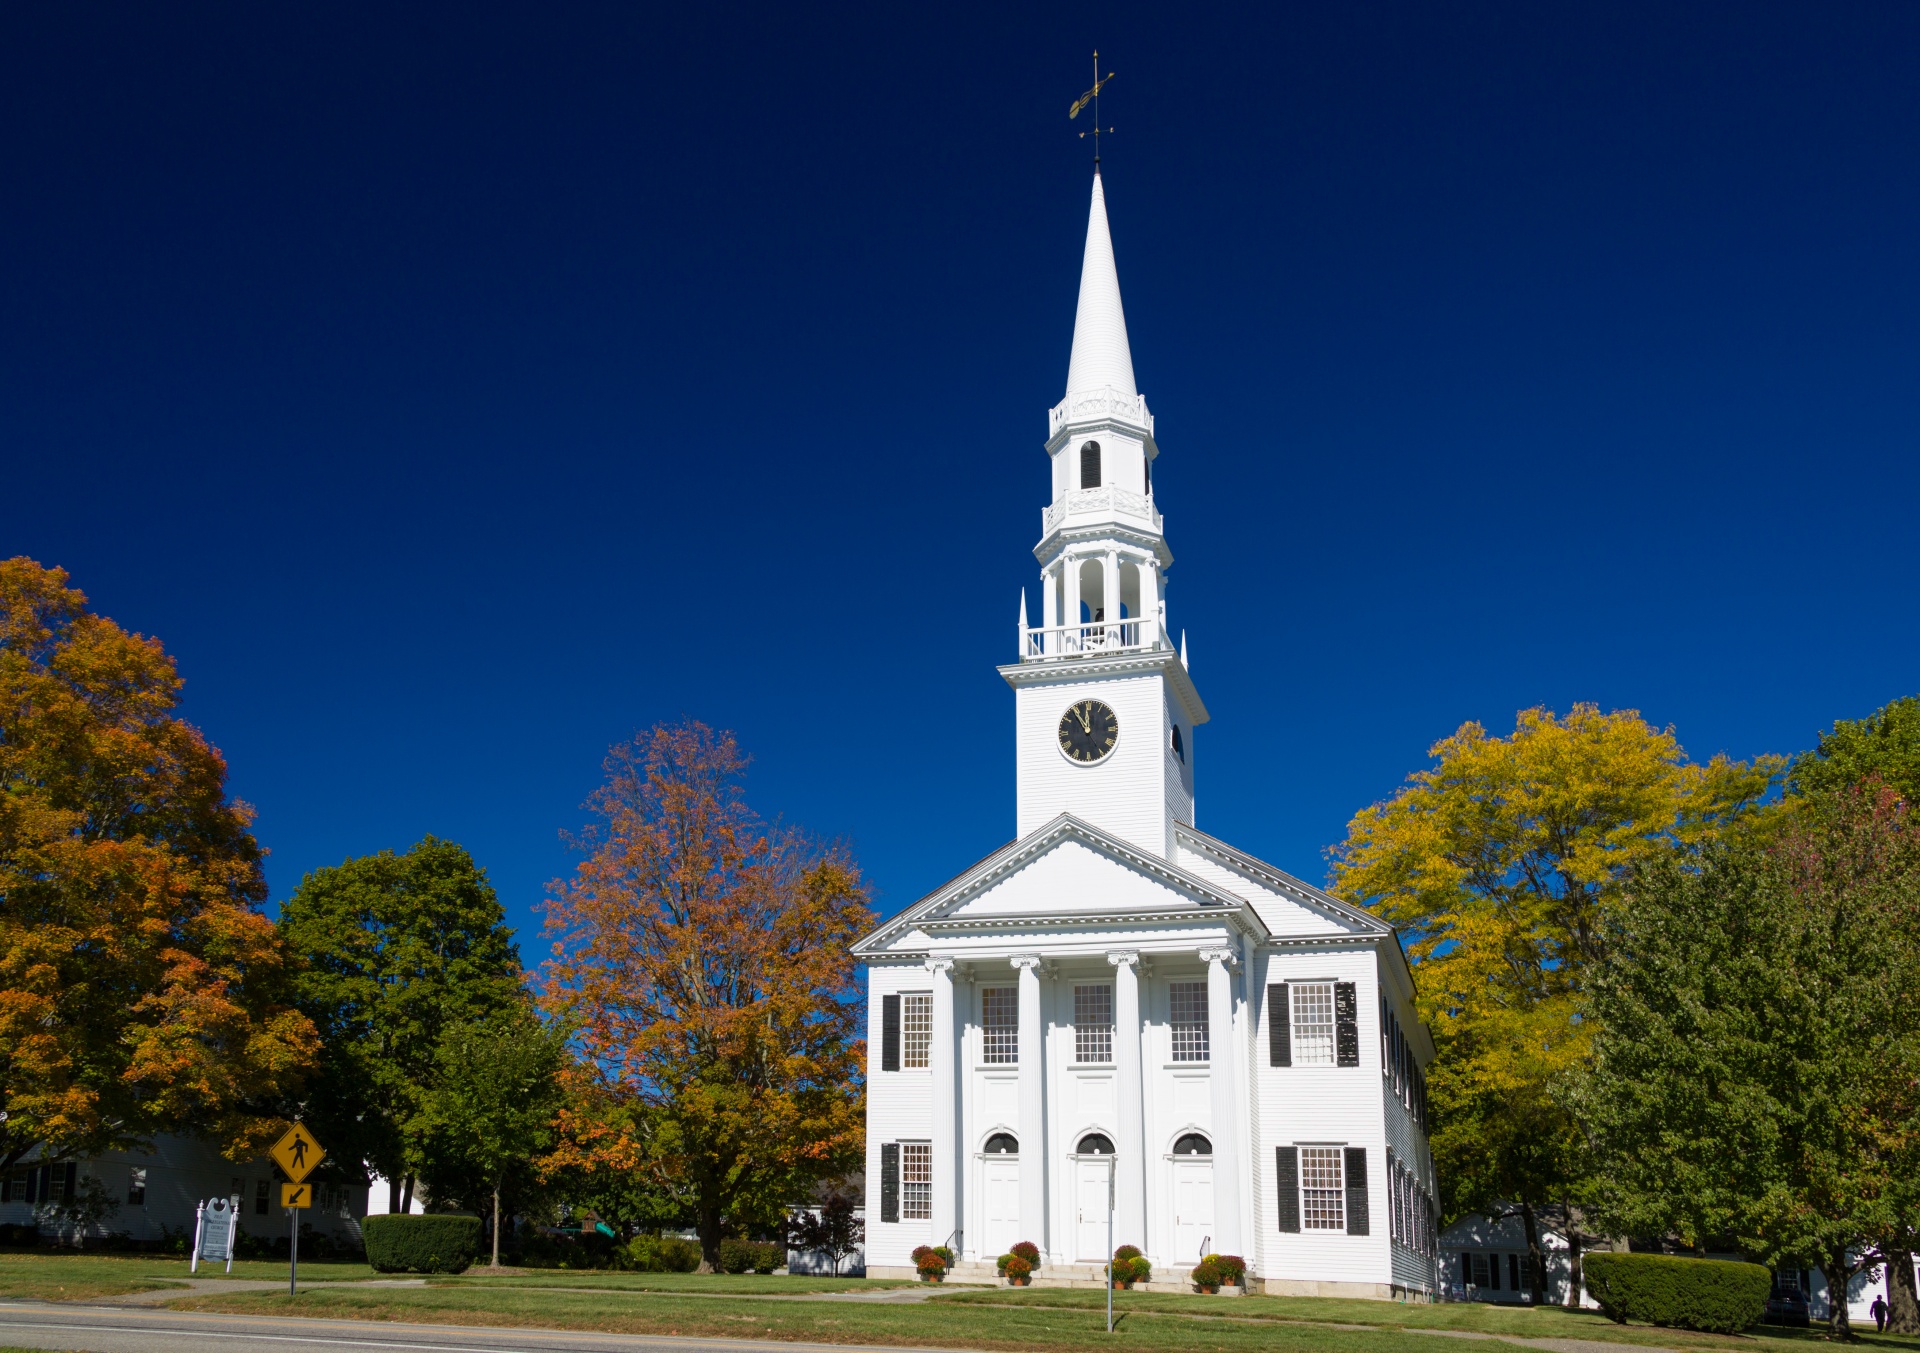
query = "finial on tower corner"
{"x": 1183, "y": 651}
{"x": 1092, "y": 96}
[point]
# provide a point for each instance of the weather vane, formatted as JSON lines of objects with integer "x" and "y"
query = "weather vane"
{"x": 1092, "y": 96}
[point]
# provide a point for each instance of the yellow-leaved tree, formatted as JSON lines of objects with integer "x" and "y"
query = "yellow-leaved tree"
{"x": 1501, "y": 865}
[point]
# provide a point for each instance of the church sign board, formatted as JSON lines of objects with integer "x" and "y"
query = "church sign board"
{"x": 215, "y": 1226}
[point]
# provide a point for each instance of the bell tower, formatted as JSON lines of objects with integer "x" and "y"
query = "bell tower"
{"x": 1104, "y": 710}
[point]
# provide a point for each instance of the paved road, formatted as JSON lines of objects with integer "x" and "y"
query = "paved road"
{"x": 97, "y": 1329}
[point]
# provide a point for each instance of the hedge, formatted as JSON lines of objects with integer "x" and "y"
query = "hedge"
{"x": 437, "y": 1242}
{"x": 751, "y": 1256}
{"x": 1693, "y": 1294}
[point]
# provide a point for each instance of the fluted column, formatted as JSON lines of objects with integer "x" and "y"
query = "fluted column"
{"x": 1050, "y": 609}
{"x": 1033, "y": 1128}
{"x": 941, "y": 1067}
{"x": 1228, "y": 1237}
{"x": 1072, "y": 566}
{"x": 1110, "y": 578}
{"x": 1130, "y": 1184}
{"x": 1149, "y": 601}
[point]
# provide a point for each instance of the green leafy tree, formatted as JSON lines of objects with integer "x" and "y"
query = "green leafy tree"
{"x": 1884, "y": 746}
{"x": 1749, "y": 1010}
{"x": 492, "y": 1111}
{"x": 396, "y": 948}
{"x": 1503, "y": 865}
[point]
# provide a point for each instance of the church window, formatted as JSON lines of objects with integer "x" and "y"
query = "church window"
{"x": 1000, "y": 1024}
{"x": 1323, "y": 1203}
{"x": 1193, "y": 1144}
{"x": 1179, "y": 748}
{"x": 1312, "y": 1023}
{"x": 1095, "y": 1144}
{"x": 916, "y": 1181}
{"x": 1003, "y": 1144}
{"x": 1189, "y": 1021}
{"x": 1093, "y": 1023}
{"x": 1090, "y": 466}
{"x": 916, "y": 1028}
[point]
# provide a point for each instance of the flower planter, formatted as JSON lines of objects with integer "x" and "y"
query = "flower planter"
{"x": 926, "y": 1277}
{"x": 1020, "y": 1282}
{"x": 1208, "y": 1289}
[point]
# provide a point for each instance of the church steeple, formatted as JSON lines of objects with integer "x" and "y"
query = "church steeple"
{"x": 1101, "y": 358}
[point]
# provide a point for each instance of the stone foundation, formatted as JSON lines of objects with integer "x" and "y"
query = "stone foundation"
{"x": 1302, "y": 1287}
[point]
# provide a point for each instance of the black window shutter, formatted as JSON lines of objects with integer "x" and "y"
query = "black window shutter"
{"x": 890, "y": 1034}
{"x": 1287, "y": 1171}
{"x": 1346, "y": 1024}
{"x": 1513, "y": 1272}
{"x": 6, "y": 1188}
{"x": 1358, "y": 1216}
{"x": 1386, "y": 1058}
{"x": 890, "y": 1177}
{"x": 1279, "y": 1026}
{"x": 71, "y": 1180}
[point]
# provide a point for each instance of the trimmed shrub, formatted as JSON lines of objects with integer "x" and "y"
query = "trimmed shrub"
{"x": 544, "y": 1248}
{"x": 1692, "y": 1294}
{"x": 662, "y": 1254}
{"x": 434, "y": 1243}
{"x": 19, "y": 1233}
{"x": 751, "y": 1256}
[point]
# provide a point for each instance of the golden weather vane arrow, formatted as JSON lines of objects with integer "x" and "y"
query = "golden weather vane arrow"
{"x": 1092, "y": 96}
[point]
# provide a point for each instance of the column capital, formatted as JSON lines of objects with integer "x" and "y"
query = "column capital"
{"x": 1027, "y": 961}
{"x": 1121, "y": 957}
{"x": 939, "y": 963}
{"x": 1223, "y": 955}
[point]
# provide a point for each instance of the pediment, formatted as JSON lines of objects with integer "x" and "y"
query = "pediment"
{"x": 1066, "y": 872}
{"x": 1290, "y": 907}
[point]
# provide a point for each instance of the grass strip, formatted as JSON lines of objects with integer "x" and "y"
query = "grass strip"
{"x": 54, "y": 1275}
{"x": 707, "y": 1283}
{"x": 919, "y": 1325}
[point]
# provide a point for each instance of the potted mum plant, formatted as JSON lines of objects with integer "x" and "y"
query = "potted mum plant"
{"x": 1018, "y": 1272}
{"x": 1129, "y": 1266}
{"x": 1233, "y": 1270}
{"x": 931, "y": 1262}
{"x": 1206, "y": 1276}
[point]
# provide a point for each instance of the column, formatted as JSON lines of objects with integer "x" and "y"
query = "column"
{"x": 1149, "y": 600}
{"x": 1033, "y": 1128}
{"x": 1226, "y": 1128}
{"x": 1072, "y": 617}
{"x": 1130, "y": 1152}
{"x": 1110, "y": 579}
{"x": 941, "y": 1066}
{"x": 1050, "y": 608}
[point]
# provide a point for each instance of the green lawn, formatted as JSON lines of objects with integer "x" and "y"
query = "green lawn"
{"x": 709, "y": 1283}
{"x": 996, "y": 1319}
{"x": 62, "y": 1275}
{"x": 986, "y": 1327}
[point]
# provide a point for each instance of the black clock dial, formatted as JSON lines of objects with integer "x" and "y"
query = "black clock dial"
{"x": 1088, "y": 731}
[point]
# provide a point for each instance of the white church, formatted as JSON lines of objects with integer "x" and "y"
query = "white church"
{"x": 1117, "y": 1005}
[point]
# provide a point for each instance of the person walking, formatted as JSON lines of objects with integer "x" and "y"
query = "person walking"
{"x": 1879, "y": 1311}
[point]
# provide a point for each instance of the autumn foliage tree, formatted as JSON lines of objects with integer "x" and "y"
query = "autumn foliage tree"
{"x": 140, "y": 988}
{"x": 702, "y": 954}
{"x": 1503, "y": 865}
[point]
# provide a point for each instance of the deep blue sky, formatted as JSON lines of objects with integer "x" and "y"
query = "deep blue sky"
{"x": 457, "y": 389}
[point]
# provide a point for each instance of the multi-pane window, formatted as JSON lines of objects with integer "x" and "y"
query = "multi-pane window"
{"x": 137, "y": 1186}
{"x": 1093, "y": 1023}
{"x": 260, "y": 1195}
{"x": 1189, "y": 1021}
{"x": 916, "y": 1027}
{"x": 916, "y": 1181}
{"x": 1000, "y": 1024}
{"x": 1312, "y": 1023}
{"x": 1323, "y": 1203}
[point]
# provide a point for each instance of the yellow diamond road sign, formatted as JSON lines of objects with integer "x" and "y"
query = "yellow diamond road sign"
{"x": 296, "y": 1195}
{"x": 297, "y": 1153}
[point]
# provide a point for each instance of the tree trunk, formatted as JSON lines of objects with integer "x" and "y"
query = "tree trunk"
{"x": 496, "y": 1225}
{"x": 1838, "y": 1272}
{"x": 709, "y": 1229}
{"x": 1536, "y": 1271}
{"x": 406, "y": 1194}
{"x": 1903, "y": 1305}
{"x": 1575, "y": 1277}
{"x": 393, "y": 1194}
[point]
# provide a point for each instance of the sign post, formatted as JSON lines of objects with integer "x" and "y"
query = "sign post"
{"x": 215, "y": 1220}
{"x": 297, "y": 1154}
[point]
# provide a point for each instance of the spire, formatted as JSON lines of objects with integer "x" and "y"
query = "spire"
{"x": 1101, "y": 357}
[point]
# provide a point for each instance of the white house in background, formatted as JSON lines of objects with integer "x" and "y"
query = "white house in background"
{"x": 1116, "y": 990}
{"x": 156, "y": 1192}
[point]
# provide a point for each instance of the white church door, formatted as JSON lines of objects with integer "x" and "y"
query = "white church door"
{"x": 1192, "y": 1210}
{"x": 1000, "y": 1205}
{"x": 1090, "y": 1192}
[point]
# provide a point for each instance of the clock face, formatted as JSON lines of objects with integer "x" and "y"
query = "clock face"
{"x": 1088, "y": 731}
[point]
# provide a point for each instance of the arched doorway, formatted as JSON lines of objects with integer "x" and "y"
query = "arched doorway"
{"x": 1092, "y": 1196}
{"x": 1192, "y": 1197}
{"x": 999, "y": 1195}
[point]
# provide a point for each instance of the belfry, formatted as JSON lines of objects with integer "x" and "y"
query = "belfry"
{"x": 1116, "y": 1010}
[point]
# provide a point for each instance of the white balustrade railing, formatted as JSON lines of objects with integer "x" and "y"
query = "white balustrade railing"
{"x": 1083, "y": 641}
{"x": 1108, "y": 499}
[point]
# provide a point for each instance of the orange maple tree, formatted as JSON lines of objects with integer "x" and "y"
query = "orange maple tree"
{"x": 702, "y": 954}
{"x": 140, "y": 988}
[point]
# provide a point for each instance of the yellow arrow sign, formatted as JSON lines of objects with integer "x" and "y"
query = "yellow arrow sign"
{"x": 296, "y": 1195}
{"x": 298, "y": 1153}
